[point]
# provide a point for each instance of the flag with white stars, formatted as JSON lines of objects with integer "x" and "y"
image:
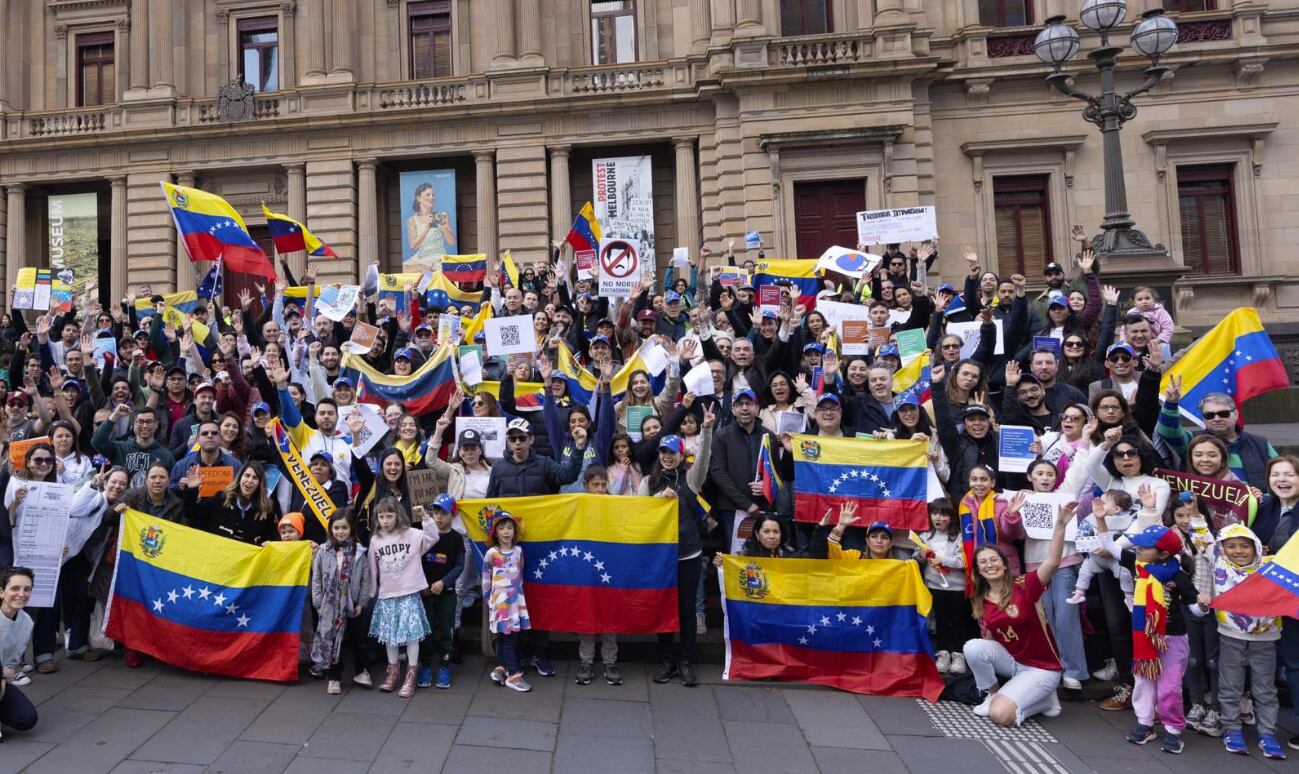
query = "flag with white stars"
{"x": 212, "y": 230}
{"x": 1272, "y": 590}
{"x": 207, "y": 603}
{"x": 887, "y": 479}
{"x": 1235, "y": 357}
{"x": 589, "y": 567}
{"x": 859, "y": 626}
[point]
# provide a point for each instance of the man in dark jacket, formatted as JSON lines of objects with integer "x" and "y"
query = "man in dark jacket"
{"x": 522, "y": 472}
{"x": 203, "y": 409}
{"x": 735, "y": 461}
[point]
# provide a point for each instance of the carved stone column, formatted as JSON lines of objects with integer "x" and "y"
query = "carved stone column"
{"x": 123, "y": 43}
{"x": 748, "y": 17}
{"x": 16, "y": 232}
{"x": 344, "y": 39}
{"x": 288, "y": 47}
{"x": 485, "y": 190}
{"x": 367, "y": 211}
{"x": 118, "y": 278}
{"x": 185, "y": 268}
{"x": 297, "y": 179}
{"x": 561, "y": 198}
{"x": 687, "y": 195}
{"x": 316, "y": 32}
{"x": 701, "y": 26}
{"x": 503, "y": 18}
{"x": 163, "y": 50}
{"x": 530, "y": 32}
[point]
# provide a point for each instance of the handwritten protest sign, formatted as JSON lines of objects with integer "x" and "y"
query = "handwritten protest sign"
{"x": 215, "y": 479}
{"x": 18, "y": 451}
{"x": 886, "y": 227}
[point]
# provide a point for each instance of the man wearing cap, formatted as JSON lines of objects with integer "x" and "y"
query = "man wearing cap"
{"x": 673, "y": 321}
{"x": 1045, "y": 365}
{"x": 322, "y": 469}
{"x": 1053, "y": 273}
{"x": 344, "y": 392}
{"x": 176, "y": 397}
{"x": 203, "y": 409}
{"x": 208, "y": 455}
{"x": 19, "y": 424}
{"x": 1120, "y": 360}
{"x": 522, "y": 472}
{"x": 734, "y": 463}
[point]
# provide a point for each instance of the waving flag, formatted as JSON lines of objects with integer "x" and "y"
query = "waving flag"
{"x": 183, "y": 301}
{"x": 207, "y": 603}
{"x": 585, "y": 233}
{"x": 798, "y": 273}
{"x": 426, "y": 390}
{"x": 211, "y": 285}
{"x": 291, "y": 236}
{"x": 766, "y": 473}
{"x": 851, "y": 263}
{"x": 210, "y": 229}
{"x": 509, "y": 271}
{"x": 581, "y": 382}
{"x": 469, "y": 269}
{"x": 732, "y": 275}
{"x": 1235, "y": 357}
{"x": 1271, "y": 590}
{"x": 477, "y": 322}
{"x": 587, "y": 567}
{"x": 856, "y": 626}
{"x": 885, "y": 478}
{"x": 914, "y": 380}
{"x": 442, "y": 292}
{"x": 527, "y": 395}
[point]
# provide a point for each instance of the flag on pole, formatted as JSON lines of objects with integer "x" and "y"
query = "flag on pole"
{"x": 212, "y": 230}
{"x": 290, "y": 236}
{"x": 585, "y": 233}
{"x": 1235, "y": 357}
{"x": 211, "y": 285}
{"x": 766, "y": 473}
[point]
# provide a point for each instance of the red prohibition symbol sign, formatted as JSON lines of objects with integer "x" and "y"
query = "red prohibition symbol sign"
{"x": 618, "y": 259}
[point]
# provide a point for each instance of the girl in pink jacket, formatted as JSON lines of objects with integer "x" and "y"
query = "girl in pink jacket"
{"x": 395, "y": 566}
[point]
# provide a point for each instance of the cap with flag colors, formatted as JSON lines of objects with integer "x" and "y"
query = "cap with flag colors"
{"x": 855, "y": 626}
{"x": 885, "y": 478}
{"x": 207, "y": 603}
{"x": 291, "y": 236}
{"x": 211, "y": 229}
{"x": 585, "y": 233}
{"x": 587, "y": 567}
{"x": 1235, "y": 357}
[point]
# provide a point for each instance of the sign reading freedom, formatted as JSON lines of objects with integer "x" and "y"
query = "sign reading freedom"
{"x": 1224, "y": 494}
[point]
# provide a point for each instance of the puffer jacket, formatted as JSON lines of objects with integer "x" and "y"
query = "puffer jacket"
{"x": 536, "y": 475}
{"x": 690, "y": 526}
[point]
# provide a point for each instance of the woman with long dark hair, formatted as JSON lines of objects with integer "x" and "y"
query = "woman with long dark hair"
{"x": 242, "y": 511}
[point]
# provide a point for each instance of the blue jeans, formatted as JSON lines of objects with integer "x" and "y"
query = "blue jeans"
{"x": 1066, "y": 625}
{"x": 507, "y": 652}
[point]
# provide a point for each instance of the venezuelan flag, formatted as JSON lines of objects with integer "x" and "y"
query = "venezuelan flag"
{"x": 1271, "y": 590}
{"x": 211, "y": 230}
{"x": 914, "y": 380}
{"x": 581, "y": 382}
{"x": 509, "y": 271}
{"x": 1235, "y": 357}
{"x": 207, "y": 603}
{"x": 766, "y": 473}
{"x": 885, "y": 478}
{"x": 799, "y": 273}
{"x": 856, "y": 626}
{"x": 443, "y": 292}
{"x": 291, "y": 236}
{"x": 184, "y": 302}
{"x": 527, "y": 395}
{"x": 470, "y": 269}
{"x": 477, "y": 322}
{"x": 621, "y": 380}
{"x": 732, "y": 275}
{"x": 587, "y": 567}
{"x": 585, "y": 233}
{"x": 427, "y": 390}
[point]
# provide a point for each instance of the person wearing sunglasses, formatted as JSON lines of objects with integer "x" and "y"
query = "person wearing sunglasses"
{"x": 39, "y": 467}
{"x": 1248, "y": 453}
{"x": 1120, "y": 360}
{"x": 208, "y": 455}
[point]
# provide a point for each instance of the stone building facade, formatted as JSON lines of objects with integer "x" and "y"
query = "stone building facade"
{"x": 781, "y": 116}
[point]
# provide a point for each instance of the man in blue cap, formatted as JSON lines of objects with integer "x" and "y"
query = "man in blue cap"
{"x": 672, "y": 322}
{"x": 735, "y": 459}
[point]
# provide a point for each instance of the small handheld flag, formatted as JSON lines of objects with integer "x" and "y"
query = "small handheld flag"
{"x": 585, "y": 233}
{"x": 766, "y": 473}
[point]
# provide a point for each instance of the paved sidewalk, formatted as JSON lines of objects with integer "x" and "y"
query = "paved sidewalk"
{"x": 103, "y": 717}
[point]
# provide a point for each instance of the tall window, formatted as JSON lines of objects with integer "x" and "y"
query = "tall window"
{"x": 95, "y": 72}
{"x": 1188, "y": 6}
{"x": 1006, "y": 13}
{"x": 1208, "y": 212}
{"x": 1023, "y": 215}
{"x": 430, "y": 39}
{"x": 805, "y": 17}
{"x": 259, "y": 52}
{"x": 613, "y": 31}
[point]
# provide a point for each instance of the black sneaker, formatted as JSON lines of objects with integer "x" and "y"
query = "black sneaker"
{"x": 612, "y": 675}
{"x": 584, "y": 673}
{"x": 1293, "y": 742}
{"x": 666, "y": 672}
{"x": 687, "y": 672}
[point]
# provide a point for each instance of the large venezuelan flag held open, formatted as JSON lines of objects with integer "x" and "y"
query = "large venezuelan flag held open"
{"x": 425, "y": 391}
{"x": 853, "y": 625}
{"x": 1236, "y": 357}
{"x": 885, "y": 478}
{"x": 795, "y": 271}
{"x": 210, "y": 229}
{"x": 207, "y": 603}
{"x": 588, "y": 565}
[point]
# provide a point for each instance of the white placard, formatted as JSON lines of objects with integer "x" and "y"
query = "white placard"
{"x": 375, "y": 428}
{"x": 1038, "y": 514}
{"x": 836, "y": 312}
{"x": 336, "y": 302}
{"x": 39, "y": 537}
{"x": 790, "y": 422}
{"x": 619, "y": 265}
{"x": 510, "y": 336}
{"x": 654, "y": 357}
{"x": 898, "y": 317}
{"x": 471, "y": 369}
{"x": 970, "y": 334}
{"x": 905, "y": 224}
{"x": 490, "y": 429}
{"x": 449, "y": 328}
{"x": 681, "y": 257}
{"x": 623, "y": 198}
{"x": 699, "y": 380}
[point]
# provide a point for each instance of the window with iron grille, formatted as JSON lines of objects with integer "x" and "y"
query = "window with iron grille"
{"x": 96, "y": 81}
{"x": 613, "y": 31}
{"x": 259, "y": 52}
{"x": 805, "y": 17}
{"x": 1207, "y": 206}
{"x": 1022, "y": 209}
{"x": 1006, "y": 13}
{"x": 430, "y": 39}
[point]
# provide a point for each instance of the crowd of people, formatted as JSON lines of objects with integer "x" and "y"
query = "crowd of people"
{"x": 134, "y": 425}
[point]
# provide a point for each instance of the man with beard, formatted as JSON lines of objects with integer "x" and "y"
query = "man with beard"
{"x": 1024, "y": 401}
{"x": 1045, "y": 365}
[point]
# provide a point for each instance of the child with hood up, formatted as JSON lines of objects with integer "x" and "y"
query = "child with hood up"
{"x": 1246, "y": 644}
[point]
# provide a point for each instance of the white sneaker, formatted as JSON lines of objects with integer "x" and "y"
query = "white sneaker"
{"x": 1053, "y": 709}
{"x": 1072, "y": 684}
{"x": 943, "y": 661}
{"x": 958, "y": 664}
{"x": 21, "y": 679}
{"x": 1107, "y": 673}
{"x": 986, "y": 707}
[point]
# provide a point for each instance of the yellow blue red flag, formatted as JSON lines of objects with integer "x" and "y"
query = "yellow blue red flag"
{"x": 587, "y": 567}
{"x": 469, "y": 269}
{"x": 212, "y": 230}
{"x": 885, "y": 478}
{"x": 291, "y": 236}
{"x": 853, "y": 625}
{"x": 427, "y": 390}
{"x": 585, "y": 233}
{"x": 208, "y": 603}
{"x": 799, "y": 274}
{"x": 1235, "y": 357}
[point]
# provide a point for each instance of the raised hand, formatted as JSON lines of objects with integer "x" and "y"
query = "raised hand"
{"x": 710, "y": 417}
{"x": 1087, "y": 260}
{"x": 1110, "y": 295}
{"x": 848, "y": 514}
{"x": 245, "y": 298}
{"x": 1013, "y": 373}
{"x": 1146, "y": 494}
{"x": 192, "y": 478}
{"x": 1112, "y": 437}
{"x": 1017, "y": 501}
{"x": 579, "y": 438}
{"x": 925, "y": 251}
{"x": 1077, "y": 233}
{"x": 1173, "y": 393}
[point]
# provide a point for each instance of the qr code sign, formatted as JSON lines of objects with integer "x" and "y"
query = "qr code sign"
{"x": 510, "y": 336}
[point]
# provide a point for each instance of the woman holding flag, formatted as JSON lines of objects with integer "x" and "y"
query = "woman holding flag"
{"x": 1016, "y": 643}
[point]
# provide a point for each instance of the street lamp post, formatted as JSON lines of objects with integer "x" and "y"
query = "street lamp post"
{"x": 1153, "y": 37}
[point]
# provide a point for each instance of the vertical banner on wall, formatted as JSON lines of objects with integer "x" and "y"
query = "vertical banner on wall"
{"x": 624, "y": 202}
{"x": 428, "y": 207}
{"x": 74, "y": 234}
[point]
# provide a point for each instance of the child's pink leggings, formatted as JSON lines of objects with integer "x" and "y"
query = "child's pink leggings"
{"x": 1162, "y": 697}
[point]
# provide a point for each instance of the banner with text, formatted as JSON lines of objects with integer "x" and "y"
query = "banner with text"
{"x": 624, "y": 203}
